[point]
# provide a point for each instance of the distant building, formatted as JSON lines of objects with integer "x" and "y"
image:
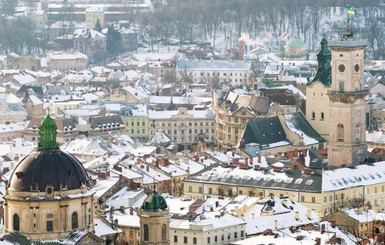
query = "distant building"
{"x": 67, "y": 61}
{"x": 135, "y": 117}
{"x": 93, "y": 15}
{"x": 234, "y": 72}
{"x": 91, "y": 43}
{"x": 232, "y": 112}
{"x": 183, "y": 126}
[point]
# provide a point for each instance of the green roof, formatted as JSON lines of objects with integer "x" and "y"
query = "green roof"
{"x": 47, "y": 133}
{"x": 154, "y": 202}
{"x": 295, "y": 43}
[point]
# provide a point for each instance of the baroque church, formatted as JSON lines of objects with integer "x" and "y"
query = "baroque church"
{"x": 49, "y": 198}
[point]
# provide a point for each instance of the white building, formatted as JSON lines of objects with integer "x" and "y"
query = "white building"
{"x": 234, "y": 72}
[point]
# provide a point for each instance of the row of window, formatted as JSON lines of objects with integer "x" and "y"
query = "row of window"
{"x": 158, "y": 124}
{"x": 209, "y": 239}
{"x": 49, "y": 222}
{"x": 225, "y": 74}
{"x": 322, "y": 116}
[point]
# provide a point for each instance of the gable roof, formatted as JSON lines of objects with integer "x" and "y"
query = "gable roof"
{"x": 298, "y": 124}
{"x": 265, "y": 131}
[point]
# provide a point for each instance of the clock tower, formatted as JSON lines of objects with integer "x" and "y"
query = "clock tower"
{"x": 347, "y": 142}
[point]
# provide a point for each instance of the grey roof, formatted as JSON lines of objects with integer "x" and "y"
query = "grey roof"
{"x": 295, "y": 180}
{"x": 350, "y": 43}
{"x": 213, "y": 65}
{"x": 264, "y": 131}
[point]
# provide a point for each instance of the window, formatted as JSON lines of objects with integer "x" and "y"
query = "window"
{"x": 325, "y": 199}
{"x": 49, "y": 222}
{"x": 208, "y": 240}
{"x": 210, "y": 191}
{"x": 190, "y": 188}
{"x": 322, "y": 116}
{"x": 235, "y": 235}
{"x": 175, "y": 238}
{"x": 216, "y": 239}
{"x": 16, "y": 222}
{"x": 313, "y": 115}
{"x": 164, "y": 232}
{"x": 200, "y": 189}
{"x": 145, "y": 233}
{"x": 74, "y": 220}
{"x": 340, "y": 132}
{"x": 341, "y": 86}
{"x": 223, "y": 237}
{"x": 194, "y": 240}
{"x": 185, "y": 240}
{"x": 242, "y": 233}
{"x": 302, "y": 198}
{"x": 313, "y": 199}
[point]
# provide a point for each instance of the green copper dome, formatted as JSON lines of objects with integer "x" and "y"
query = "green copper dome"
{"x": 296, "y": 43}
{"x": 47, "y": 133}
{"x": 154, "y": 202}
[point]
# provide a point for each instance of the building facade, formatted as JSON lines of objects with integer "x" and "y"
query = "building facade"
{"x": 184, "y": 127}
{"x": 232, "y": 112}
{"x": 347, "y": 141}
{"x": 64, "y": 61}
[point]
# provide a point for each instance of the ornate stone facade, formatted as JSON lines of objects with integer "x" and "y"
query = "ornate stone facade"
{"x": 347, "y": 142}
{"x": 48, "y": 195}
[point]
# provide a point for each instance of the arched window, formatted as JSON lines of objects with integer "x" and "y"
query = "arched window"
{"x": 164, "y": 232}
{"x": 340, "y": 132}
{"x": 145, "y": 233}
{"x": 49, "y": 222}
{"x": 313, "y": 115}
{"x": 74, "y": 220}
{"x": 16, "y": 222}
{"x": 322, "y": 116}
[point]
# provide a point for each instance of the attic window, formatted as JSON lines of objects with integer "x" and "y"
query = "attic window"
{"x": 298, "y": 181}
{"x": 308, "y": 182}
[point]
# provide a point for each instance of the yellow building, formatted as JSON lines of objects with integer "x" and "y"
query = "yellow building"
{"x": 64, "y": 62}
{"x": 324, "y": 192}
{"x": 135, "y": 117}
{"x": 232, "y": 112}
{"x": 93, "y": 15}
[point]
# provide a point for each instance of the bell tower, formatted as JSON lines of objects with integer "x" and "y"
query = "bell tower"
{"x": 347, "y": 142}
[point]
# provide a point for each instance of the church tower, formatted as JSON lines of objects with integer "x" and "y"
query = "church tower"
{"x": 347, "y": 143}
{"x": 317, "y": 100}
{"x": 154, "y": 221}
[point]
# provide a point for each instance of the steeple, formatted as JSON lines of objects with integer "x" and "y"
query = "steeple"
{"x": 324, "y": 58}
{"x": 47, "y": 133}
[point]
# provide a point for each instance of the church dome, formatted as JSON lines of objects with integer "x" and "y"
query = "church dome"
{"x": 295, "y": 43}
{"x": 154, "y": 202}
{"x": 295, "y": 48}
{"x": 47, "y": 166}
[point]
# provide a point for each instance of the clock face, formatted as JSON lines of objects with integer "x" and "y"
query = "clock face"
{"x": 357, "y": 67}
{"x": 341, "y": 68}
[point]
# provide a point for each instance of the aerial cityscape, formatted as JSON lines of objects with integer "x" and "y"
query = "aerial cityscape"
{"x": 192, "y": 122}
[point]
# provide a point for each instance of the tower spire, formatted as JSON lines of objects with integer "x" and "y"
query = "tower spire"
{"x": 47, "y": 133}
